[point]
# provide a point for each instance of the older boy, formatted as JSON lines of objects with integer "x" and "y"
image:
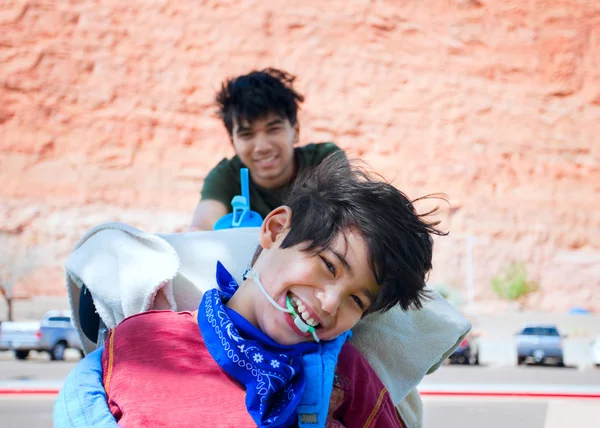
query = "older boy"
{"x": 259, "y": 111}
{"x": 345, "y": 245}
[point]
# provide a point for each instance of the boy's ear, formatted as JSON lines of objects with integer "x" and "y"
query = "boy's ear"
{"x": 274, "y": 226}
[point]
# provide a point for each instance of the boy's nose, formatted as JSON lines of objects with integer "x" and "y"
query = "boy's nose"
{"x": 330, "y": 300}
{"x": 261, "y": 143}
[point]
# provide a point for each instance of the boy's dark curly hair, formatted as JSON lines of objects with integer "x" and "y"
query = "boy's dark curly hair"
{"x": 338, "y": 196}
{"x": 254, "y": 95}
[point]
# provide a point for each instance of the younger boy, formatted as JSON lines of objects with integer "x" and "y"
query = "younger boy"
{"x": 345, "y": 245}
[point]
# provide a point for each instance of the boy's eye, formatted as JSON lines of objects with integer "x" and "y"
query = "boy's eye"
{"x": 275, "y": 129}
{"x": 329, "y": 265}
{"x": 359, "y": 302}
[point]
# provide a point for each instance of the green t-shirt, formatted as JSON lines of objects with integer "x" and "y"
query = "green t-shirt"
{"x": 223, "y": 182}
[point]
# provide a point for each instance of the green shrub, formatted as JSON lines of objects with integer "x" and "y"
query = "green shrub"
{"x": 512, "y": 284}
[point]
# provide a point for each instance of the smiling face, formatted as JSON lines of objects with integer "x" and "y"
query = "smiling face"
{"x": 333, "y": 288}
{"x": 266, "y": 147}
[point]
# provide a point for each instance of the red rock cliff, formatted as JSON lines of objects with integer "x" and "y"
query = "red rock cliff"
{"x": 105, "y": 114}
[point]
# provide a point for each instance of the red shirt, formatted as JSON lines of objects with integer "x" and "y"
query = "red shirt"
{"x": 359, "y": 398}
{"x": 157, "y": 372}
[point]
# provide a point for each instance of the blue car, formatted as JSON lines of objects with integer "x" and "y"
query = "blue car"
{"x": 539, "y": 343}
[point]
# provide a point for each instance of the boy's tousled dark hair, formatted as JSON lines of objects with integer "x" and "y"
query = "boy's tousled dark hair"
{"x": 254, "y": 95}
{"x": 339, "y": 195}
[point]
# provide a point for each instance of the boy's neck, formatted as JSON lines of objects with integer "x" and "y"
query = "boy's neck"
{"x": 240, "y": 304}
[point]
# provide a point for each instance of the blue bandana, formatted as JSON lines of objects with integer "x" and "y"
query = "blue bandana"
{"x": 272, "y": 373}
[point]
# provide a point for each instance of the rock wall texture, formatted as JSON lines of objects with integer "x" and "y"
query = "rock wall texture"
{"x": 106, "y": 114}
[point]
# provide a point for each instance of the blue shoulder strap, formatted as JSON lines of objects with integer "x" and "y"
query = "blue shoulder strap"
{"x": 319, "y": 371}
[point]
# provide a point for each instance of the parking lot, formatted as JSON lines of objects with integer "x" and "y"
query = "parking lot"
{"x": 455, "y": 396}
{"x": 472, "y": 410}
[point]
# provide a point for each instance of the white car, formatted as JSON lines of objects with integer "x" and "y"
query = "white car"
{"x": 596, "y": 352}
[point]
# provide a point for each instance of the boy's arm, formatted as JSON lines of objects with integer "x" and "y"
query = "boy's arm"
{"x": 206, "y": 214}
{"x": 219, "y": 188}
{"x": 81, "y": 401}
{"x": 359, "y": 398}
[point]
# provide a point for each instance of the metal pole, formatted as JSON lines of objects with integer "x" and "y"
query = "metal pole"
{"x": 469, "y": 267}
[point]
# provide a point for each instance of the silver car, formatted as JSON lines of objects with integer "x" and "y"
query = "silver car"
{"x": 539, "y": 343}
{"x": 53, "y": 334}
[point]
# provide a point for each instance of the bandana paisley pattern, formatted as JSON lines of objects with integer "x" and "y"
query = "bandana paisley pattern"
{"x": 272, "y": 373}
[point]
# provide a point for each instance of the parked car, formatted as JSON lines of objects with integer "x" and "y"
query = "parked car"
{"x": 53, "y": 334}
{"x": 540, "y": 344}
{"x": 467, "y": 352}
{"x": 596, "y": 352}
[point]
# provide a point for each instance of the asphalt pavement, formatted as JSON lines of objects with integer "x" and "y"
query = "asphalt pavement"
{"x": 26, "y": 411}
{"x": 458, "y": 412}
{"x": 36, "y": 412}
{"x": 463, "y": 411}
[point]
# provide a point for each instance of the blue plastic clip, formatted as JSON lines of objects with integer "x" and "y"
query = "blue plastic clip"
{"x": 242, "y": 215}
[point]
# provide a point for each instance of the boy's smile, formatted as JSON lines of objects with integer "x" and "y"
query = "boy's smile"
{"x": 304, "y": 311}
{"x": 266, "y": 147}
{"x": 302, "y": 315}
